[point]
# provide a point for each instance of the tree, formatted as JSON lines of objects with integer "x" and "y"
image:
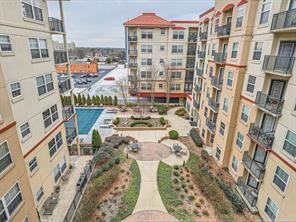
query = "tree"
{"x": 62, "y": 100}
{"x": 154, "y": 73}
{"x": 115, "y": 101}
{"x": 122, "y": 84}
{"x": 75, "y": 99}
{"x": 106, "y": 100}
{"x": 102, "y": 99}
{"x": 110, "y": 100}
{"x": 108, "y": 60}
{"x": 94, "y": 100}
{"x": 79, "y": 100}
{"x": 96, "y": 140}
{"x": 167, "y": 71}
{"x": 83, "y": 100}
{"x": 98, "y": 100}
{"x": 88, "y": 100}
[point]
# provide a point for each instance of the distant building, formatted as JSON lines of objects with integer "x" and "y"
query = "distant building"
{"x": 79, "y": 67}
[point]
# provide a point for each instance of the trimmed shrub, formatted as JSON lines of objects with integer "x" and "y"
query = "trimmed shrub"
{"x": 180, "y": 112}
{"x": 106, "y": 167}
{"x": 173, "y": 134}
{"x": 117, "y": 160}
{"x": 133, "y": 124}
{"x": 115, "y": 101}
{"x": 162, "y": 109}
{"x": 196, "y": 137}
{"x": 141, "y": 118}
{"x": 116, "y": 121}
{"x": 162, "y": 121}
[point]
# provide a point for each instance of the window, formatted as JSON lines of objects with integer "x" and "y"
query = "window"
{"x": 280, "y": 178}
{"x": 240, "y": 16}
{"x": 177, "y": 49}
{"x": 213, "y": 49}
{"x": 39, "y": 194}
{"x": 55, "y": 144}
{"x": 63, "y": 164}
{"x": 245, "y": 113}
{"x": 290, "y": 144}
{"x": 146, "y": 48}
{"x": 257, "y": 51}
{"x": 161, "y": 48}
{"x": 218, "y": 153}
{"x": 32, "y": 10}
{"x": 178, "y": 35}
{"x": 161, "y": 61}
{"x": 222, "y": 129}
{"x": 160, "y": 74}
{"x": 5, "y": 45}
{"x": 176, "y": 62}
{"x": 5, "y": 158}
{"x": 162, "y": 31}
{"x": 271, "y": 209}
{"x": 146, "y": 86}
{"x": 234, "y": 163}
{"x": 265, "y": 10}
{"x": 146, "y": 74}
{"x": 160, "y": 86}
{"x": 25, "y": 130}
{"x": 203, "y": 133}
{"x": 44, "y": 84}
{"x": 251, "y": 84}
{"x": 225, "y": 105}
{"x": 147, "y": 35}
{"x": 206, "y": 112}
{"x": 10, "y": 202}
{"x": 15, "y": 89}
{"x": 216, "y": 24}
{"x": 211, "y": 71}
{"x": 229, "y": 79}
{"x": 50, "y": 115}
{"x": 38, "y": 48}
{"x": 146, "y": 62}
{"x": 234, "y": 50}
{"x": 33, "y": 164}
{"x": 57, "y": 173}
{"x": 175, "y": 75}
{"x": 239, "y": 139}
{"x": 175, "y": 87}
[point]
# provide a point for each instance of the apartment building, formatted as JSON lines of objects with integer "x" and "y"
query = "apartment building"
{"x": 31, "y": 93}
{"x": 243, "y": 99}
{"x": 160, "y": 57}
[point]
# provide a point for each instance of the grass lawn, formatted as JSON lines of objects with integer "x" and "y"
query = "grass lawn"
{"x": 169, "y": 195}
{"x": 129, "y": 198}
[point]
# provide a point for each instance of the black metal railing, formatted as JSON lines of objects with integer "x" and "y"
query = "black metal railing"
{"x": 68, "y": 111}
{"x": 196, "y": 104}
{"x": 132, "y": 65}
{"x": 220, "y": 57}
{"x": 213, "y": 105}
{"x": 197, "y": 88}
{"x": 71, "y": 134}
{"x": 132, "y": 38}
{"x": 64, "y": 85}
{"x": 269, "y": 103}
{"x": 250, "y": 194}
{"x": 133, "y": 52}
{"x": 55, "y": 25}
{"x": 201, "y": 54}
{"x": 211, "y": 125}
{"x": 278, "y": 64}
{"x": 262, "y": 137}
{"x": 257, "y": 169}
{"x": 224, "y": 30}
{"x": 203, "y": 36}
{"x": 192, "y": 38}
{"x": 284, "y": 20}
{"x": 199, "y": 72}
{"x": 60, "y": 57}
{"x": 217, "y": 82}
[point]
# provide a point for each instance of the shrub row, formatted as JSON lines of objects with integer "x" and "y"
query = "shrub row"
{"x": 196, "y": 137}
{"x": 94, "y": 100}
{"x": 141, "y": 118}
{"x": 105, "y": 167}
{"x": 173, "y": 134}
{"x": 140, "y": 123}
{"x": 104, "y": 153}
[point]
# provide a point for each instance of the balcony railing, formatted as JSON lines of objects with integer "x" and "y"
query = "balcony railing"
{"x": 269, "y": 103}
{"x": 133, "y": 52}
{"x": 249, "y": 194}
{"x": 211, "y": 125}
{"x": 64, "y": 85}
{"x": 199, "y": 72}
{"x": 60, "y": 57}
{"x": 278, "y": 64}
{"x": 220, "y": 57}
{"x": 217, "y": 83}
{"x": 133, "y": 65}
{"x": 55, "y": 25}
{"x": 196, "y": 104}
{"x": 284, "y": 20}
{"x": 257, "y": 169}
{"x": 213, "y": 105}
{"x": 201, "y": 54}
{"x": 224, "y": 30}
{"x": 68, "y": 112}
{"x": 260, "y": 136}
{"x": 192, "y": 38}
{"x": 71, "y": 134}
{"x": 132, "y": 38}
{"x": 203, "y": 36}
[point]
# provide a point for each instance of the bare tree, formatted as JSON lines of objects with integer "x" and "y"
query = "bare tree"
{"x": 167, "y": 71}
{"x": 154, "y": 73}
{"x": 122, "y": 84}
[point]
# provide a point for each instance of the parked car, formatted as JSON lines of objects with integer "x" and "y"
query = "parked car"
{"x": 88, "y": 80}
{"x": 82, "y": 76}
{"x": 95, "y": 75}
{"x": 78, "y": 81}
{"x": 84, "y": 81}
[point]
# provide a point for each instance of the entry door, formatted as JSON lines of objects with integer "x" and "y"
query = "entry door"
{"x": 221, "y": 74}
{"x": 283, "y": 61}
{"x": 225, "y": 46}
{"x": 218, "y": 96}
{"x": 259, "y": 155}
{"x": 287, "y": 49}
{"x": 268, "y": 123}
{"x": 252, "y": 182}
{"x": 276, "y": 89}
{"x": 228, "y": 20}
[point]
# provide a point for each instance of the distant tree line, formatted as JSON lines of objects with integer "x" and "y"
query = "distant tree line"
{"x": 89, "y": 101}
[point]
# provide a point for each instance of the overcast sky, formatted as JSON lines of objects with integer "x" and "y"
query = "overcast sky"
{"x": 99, "y": 23}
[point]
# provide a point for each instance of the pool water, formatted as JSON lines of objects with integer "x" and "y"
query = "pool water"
{"x": 86, "y": 119}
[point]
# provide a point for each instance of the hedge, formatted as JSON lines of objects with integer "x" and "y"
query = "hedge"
{"x": 141, "y": 118}
{"x": 140, "y": 123}
{"x": 196, "y": 137}
{"x": 173, "y": 134}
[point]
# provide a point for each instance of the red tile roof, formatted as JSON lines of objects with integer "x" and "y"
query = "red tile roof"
{"x": 149, "y": 20}
{"x": 228, "y": 7}
{"x": 206, "y": 12}
{"x": 242, "y": 2}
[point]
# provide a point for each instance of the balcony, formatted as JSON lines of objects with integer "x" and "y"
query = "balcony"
{"x": 284, "y": 21}
{"x": 201, "y": 54}
{"x": 269, "y": 104}
{"x": 213, "y": 105}
{"x": 220, "y": 58}
{"x": 262, "y": 137}
{"x": 68, "y": 112}
{"x": 133, "y": 52}
{"x": 199, "y": 72}
{"x": 249, "y": 194}
{"x": 132, "y": 38}
{"x": 64, "y": 85}
{"x": 217, "y": 83}
{"x": 133, "y": 65}
{"x": 191, "y": 52}
{"x": 55, "y": 25}
{"x": 203, "y": 36}
{"x": 211, "y": 125}
{"x": 224, "y": 30}
{"x": 190, "y": 65}
{"x": 71, "y": 134}
{"x": 255, "y": 168}
{"x": 192, "y": 38}
{"x": 278, "y": 65}
{"x": 197, "y": 88}
{"x": 60, "y": 57}
{"x": 196, "y": 104}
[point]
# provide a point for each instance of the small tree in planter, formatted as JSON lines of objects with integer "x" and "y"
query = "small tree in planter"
{"x": 110, "y": 100}
{"x": 83, "y": 100}
{"x": 102, "y": 99}
{"x": 94, "y": 100}
{"x": 88, "y": 100}
{"x": 115, "y": 101}
{"x": 173, "y": 134}
{"x": 75, "y": 99}
{"x": 79, "y": 100}
{"x": 106, "y": 100}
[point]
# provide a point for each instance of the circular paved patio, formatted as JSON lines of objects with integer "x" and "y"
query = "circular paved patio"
{"x": 150, "y": 151}
{"x": 150, "y": 215}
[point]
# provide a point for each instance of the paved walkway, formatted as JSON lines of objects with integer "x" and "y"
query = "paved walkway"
{"x": 150, "y": 215}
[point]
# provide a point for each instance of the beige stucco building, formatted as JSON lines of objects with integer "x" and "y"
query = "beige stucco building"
{"x": 160, "y": 57}
{"x": 31, "y": 91}
{"x": 243, "y": 99}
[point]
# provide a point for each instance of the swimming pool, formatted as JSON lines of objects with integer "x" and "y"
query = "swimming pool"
{"x": 86, "y": 119}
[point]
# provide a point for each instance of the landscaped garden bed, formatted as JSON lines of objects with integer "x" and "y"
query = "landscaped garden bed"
{"x": 136, "y": 123}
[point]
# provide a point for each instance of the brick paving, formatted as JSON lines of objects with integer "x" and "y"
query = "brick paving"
{"x": 150, "y": 215}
